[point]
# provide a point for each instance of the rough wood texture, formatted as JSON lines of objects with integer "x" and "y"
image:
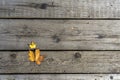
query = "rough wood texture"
{"x": 60, "y": 8}
{"x": 62, "y": 77}
{"x": 60, "y": 34}
{"x": 62, "y": 62}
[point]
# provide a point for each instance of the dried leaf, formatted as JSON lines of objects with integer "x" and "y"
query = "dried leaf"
{"x": 31, "y": 56}
{"x": 38, "y": 62}
{"x": 37, "y": 54}
{"x": 38, "y": 57}
{"x": 41, "y": 58}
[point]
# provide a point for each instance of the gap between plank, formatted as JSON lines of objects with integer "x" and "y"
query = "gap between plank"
{"x": 56, "y": 50}
{"x": 65, "y": 18}
{"x": 50, "y": 73}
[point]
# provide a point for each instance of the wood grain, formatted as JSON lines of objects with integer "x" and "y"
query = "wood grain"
{"x": 60, "y": 34}
{"x": 61, "y": 77}
{"x": 60, "y": 9}
{"x": 62, "y": 62}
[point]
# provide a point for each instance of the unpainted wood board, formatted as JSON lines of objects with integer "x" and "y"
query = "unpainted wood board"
{"x": 59, "y": 8}
{"x": 60, "y": 34}
{"x": 62, "y": 62}
{"x": 61, "y": 77}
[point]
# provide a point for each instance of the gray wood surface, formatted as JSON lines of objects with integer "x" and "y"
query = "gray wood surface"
{"x": 60, "y": 9}
{"x": 62, "y": 62}
{"x": 60, "y": 34}
{"x": 61, "y": 77}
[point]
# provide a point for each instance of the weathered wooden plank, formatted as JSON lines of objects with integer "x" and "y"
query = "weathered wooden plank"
{"x": 60, "y": 9}
{"x": 62, "y": 77}
{"x": 62, "y": 62}
{"x": 60, "y": 34}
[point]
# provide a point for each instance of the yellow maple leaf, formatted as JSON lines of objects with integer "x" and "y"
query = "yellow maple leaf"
{"x": 32, "y": 45}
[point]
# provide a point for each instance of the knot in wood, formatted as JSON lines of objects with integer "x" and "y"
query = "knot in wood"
{"x": 13, "y": 56}
{"x": 77, "y": 55}
{"x": 44, "y": 6}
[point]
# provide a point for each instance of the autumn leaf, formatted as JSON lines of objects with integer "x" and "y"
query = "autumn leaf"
{"x": 38, "y": 57}
{"x": 34, "y": 55}
{"x": 32, "y": 45}
{"x": 37, "y": 54}
{"x": 31, "y": 56}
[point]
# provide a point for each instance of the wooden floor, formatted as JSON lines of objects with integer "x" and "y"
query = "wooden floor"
{"x": 80, "y": 39}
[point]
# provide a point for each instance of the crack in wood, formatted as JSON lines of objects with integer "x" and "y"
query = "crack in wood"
{"x": 7, "y": 10}
{"x": 38, "y": 5}
{"x": 101, "y": 36}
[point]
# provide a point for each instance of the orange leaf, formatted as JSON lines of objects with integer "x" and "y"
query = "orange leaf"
{"x": 38, "y": 57}
{"x": 38, "y": 62}
{"x": 41, "y": 58}
{"x": 37, "y": 54}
